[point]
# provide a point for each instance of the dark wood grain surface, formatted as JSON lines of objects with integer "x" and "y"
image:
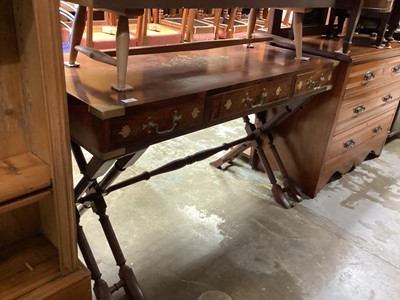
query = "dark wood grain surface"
{"x": 200, "y": 88}
{"x": 159, "y": 77}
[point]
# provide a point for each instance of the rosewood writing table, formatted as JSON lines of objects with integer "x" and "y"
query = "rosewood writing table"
{"x": 177, "y": 93}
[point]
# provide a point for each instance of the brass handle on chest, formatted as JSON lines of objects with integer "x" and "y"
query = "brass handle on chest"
{"x": 359, "y": 109}
{"x": 349, "y": 144}
{"x": 175, "y": 119}
{"x": 396, "y": 69}
{"x": 377, "y": 129}
{"x": 387, "y": 98}
{"x": 369, "y": 76}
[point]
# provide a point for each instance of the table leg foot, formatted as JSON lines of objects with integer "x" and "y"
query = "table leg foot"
{"x": 303, "y": 58}
{"x": 101, "y": 290}
{"x": 289, "y": 187}
{"x": 124, "y": 88}
{"x": 292, "y": 190}
{"x": 100, "y": 287}
{"x": 71, "y": 65}
{"x": 131, "y": 285}
{"x": 280, "y": 197}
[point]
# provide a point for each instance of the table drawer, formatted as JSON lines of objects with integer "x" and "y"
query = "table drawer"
{"x": 368, "y": 76}
{"x": 157, "y": 122}
{"x": 358, "y": 109}
{"x": 311, "y": 81}
{"x": 350, "y": 140}
{"x": 253, "y": 98}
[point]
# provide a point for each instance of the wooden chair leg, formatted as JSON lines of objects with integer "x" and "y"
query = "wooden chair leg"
{"x": 78, "y": 28}
{"x": 190, "y": 25}
{"x": 381, "y": 30}
{"x": 229, "y": 30}
{"x": 251, "y": 23}
{"x": 355, "y": 12}
{"x": 298, "y": 34}
{"x": 185, "y": 13}
{"x": 89, "y": 27}
{"x": 122, "y": 54}
{"x": 217, "y": 17}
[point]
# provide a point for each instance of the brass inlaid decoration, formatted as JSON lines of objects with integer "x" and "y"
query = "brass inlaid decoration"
{"x": 125, "y": 131}
{"x": 228, "y": 104}
{"x": 278, "y": 90}
{"x": 330, "y": 76}
{"x": 300, "y": 84}
{"x": 195, "y": 112}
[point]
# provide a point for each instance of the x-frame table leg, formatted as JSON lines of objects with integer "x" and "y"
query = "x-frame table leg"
{"x": 88, "y": 185}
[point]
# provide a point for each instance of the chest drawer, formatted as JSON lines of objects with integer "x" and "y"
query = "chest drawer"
{"x": 368, "y": 76}
{"x": 358, "y": 109}
{"x": 311, "y": 81}
{"x": 251, "y": 99}
{"x": 156, "y": 122}
{"x": 373, "y": 130}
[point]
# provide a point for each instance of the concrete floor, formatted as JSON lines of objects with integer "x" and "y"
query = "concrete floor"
{"x": 203, "y": 233}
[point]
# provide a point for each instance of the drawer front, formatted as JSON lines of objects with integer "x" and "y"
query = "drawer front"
{"x": 358, "y": 109}
{"x": 158, "y": 122}
{"x": 251, "y": 99}
{"x": 368, "y": 76}
{"x": 368, "y": 131}
{"x": 311, "y": 81}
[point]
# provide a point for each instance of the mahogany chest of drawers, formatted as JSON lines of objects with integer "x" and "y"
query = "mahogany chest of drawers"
{"x": 348, "y": 123}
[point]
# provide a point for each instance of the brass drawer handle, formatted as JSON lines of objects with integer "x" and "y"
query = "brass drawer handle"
{"x": 396, "y": 69}
{"x": 369, "y": 76}
{"x": 349, "y": 144}
{"x": 387, "y": 98}
{"x": 312, "y": 85}
{"x": 152, "y": 125}
{"x": 377, "y": 129}
{"x": 252, "y": 103}
{"x": 359, "y": 109}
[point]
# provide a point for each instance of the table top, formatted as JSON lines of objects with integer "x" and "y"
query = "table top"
{"x": 131, "y": 4}
{"x": 159, "y": 77}
{"x": 199, "y": 88}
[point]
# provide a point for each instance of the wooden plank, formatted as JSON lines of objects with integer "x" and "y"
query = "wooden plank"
{"x": 24, "y": 201}
{"x": 12, "y": 121}
{"x": 61, "y": 230}
{"x": 71, "y": 287}
{"x": 18, "y": 224}
{"x": 30, "y": 263}
{"x": 31, "y": 75}
{"x": 22, "y": 174}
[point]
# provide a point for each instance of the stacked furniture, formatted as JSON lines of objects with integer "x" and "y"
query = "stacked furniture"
{"x": 370, "y": 8}
{"x": 38, "y": 253}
